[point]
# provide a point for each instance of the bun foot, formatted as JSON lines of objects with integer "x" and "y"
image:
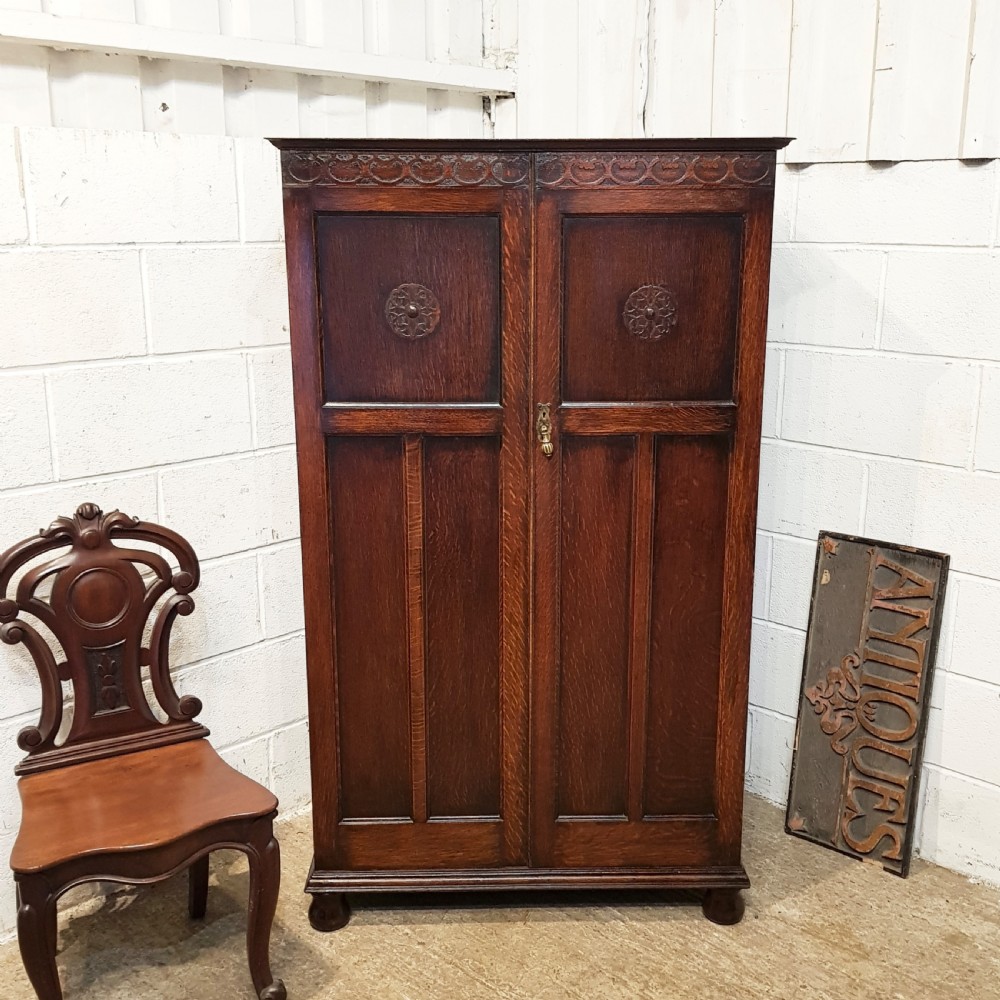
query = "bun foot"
{"x": 276, "y": 991}
{"x": 723, "y": 906}
{"x": 329, "y": 911}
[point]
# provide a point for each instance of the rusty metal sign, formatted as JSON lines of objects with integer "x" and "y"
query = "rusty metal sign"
{"x": 873, "y": 630}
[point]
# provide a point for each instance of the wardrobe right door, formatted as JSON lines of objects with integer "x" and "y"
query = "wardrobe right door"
{"x": 650, "y": 315}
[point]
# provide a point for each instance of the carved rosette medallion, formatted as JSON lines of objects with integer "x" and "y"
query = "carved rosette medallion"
{"x": 412, "y": 311}
{"x": 650, "y": 312}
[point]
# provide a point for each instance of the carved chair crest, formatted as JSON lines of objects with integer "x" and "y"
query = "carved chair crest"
{"x": 97, "y": 608}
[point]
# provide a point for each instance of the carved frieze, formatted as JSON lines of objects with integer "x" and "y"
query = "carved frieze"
{"x": 590, "y": 170}
{"x": 305, "y": 167}
{"x": 345, "y": 168}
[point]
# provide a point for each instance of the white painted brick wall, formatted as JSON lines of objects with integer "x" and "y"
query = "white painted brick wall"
{"x": 98, "y": 292}
{"x": 882, "y": 417}
{"x": 944, "y": 202}
{"x": 96, "y": 187}
{"x": 144, "y": 365}
{"x": 200, "y": 299}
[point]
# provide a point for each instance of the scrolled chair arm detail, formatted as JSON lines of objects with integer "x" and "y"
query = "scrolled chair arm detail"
{"x": 32, "y": 739}
{"x": 179, "y": 709}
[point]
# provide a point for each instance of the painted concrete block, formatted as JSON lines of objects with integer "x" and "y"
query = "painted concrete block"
{"x": 212, "y": 298}
{"x": 233, "y": 504}
{"x": 281, "y": 580}
{"x": 824, "y": 296}
{"x": 917, "y": 408}
{"x": 805, "y": 490}
{"x": 70, "y": 306}
{"x": 113, "y": 417}
{"x": 942, "y": 202}
{"x": 128, "y": 187}
{"x": 24, "y": 430}
{"x": 943, "y": 302}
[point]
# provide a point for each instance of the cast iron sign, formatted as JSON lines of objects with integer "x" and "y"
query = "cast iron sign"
{"x": 873, "y": 629}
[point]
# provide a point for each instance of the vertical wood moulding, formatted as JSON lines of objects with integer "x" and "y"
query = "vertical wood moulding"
{"x": 414, "y": 486}
{"x": 515, "y": 485}
{"x": 546, "y": 524}
{"x": 744, "y": 459}
{"x": 315, "y": 519}
{"x": 642, "y": 588}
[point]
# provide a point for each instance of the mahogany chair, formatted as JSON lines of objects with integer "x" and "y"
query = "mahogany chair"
{"x": 123, "y": 796}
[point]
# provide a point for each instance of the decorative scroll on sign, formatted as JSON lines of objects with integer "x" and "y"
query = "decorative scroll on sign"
{"x": 873, "y": 629}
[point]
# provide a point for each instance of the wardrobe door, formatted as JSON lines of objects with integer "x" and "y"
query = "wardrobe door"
{"x": 410, "y": 314}
{"x": 650, "y": 312}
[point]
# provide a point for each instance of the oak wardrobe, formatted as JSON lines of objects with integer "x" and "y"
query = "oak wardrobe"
{"x": 528, "y": 385}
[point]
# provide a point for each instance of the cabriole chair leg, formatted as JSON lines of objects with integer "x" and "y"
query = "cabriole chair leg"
{"x": 265, "y": 880}
{"x": 36, "y": 936}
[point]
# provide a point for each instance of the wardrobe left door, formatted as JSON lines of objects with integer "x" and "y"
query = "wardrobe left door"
{"x": 410, "y": 359}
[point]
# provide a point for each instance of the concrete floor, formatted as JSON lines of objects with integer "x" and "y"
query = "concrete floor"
{"x": 817, "y": 926}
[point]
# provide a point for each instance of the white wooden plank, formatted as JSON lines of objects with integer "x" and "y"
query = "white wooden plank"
{"x": 182, "y": 97}
{"x": 396, "y": 28}
{"x": 97, "y": 10}
{"x": 24, "y": 85}
{"x": 188, "y": 15}
{"x": 21, "y": 5}
{"x": 682, "y": 45}
{"x": 260, "y": 103}
{"x": 548, "y": 58}
{"x": 465, "y": 32}
{"x": 454, "y": 116}
{"x": 437, "y": 33}
{"x": 505, "y": 118}
{"x": 395, "y": 110}
{"x": 500, "y": 29}
{"x": 94, "y": 90}
{"x": 830, "y": 82}
{"x": 750, "y": 72}
{"x": 331, "y": 107}
{"x": 920, "y": 74}
{"x": 167, "y": 43}
{"x": 268, "y": 20}
{"x": 609, "y": 83}
{"x": 454, "y": 33}
{"x": 312, "y": 21}
{"x": 981, "y": 133}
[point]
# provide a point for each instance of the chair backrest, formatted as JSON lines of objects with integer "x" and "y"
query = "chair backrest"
{"x": 97, "y": 606}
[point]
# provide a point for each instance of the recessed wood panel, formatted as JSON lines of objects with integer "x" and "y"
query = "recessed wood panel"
{"x": 368, "y": 518}
{"x": 595, "y": 583}
{"x": 444, "y": 269}
{"x": 462, "y": 606}
{"x": 649, "y": 307}
{"x": 686, "y": 628}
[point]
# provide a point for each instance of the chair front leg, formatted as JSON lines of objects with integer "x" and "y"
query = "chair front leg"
{"x": 265, "y": 880}
{"x": 198, "y": 888}
{"x": 36, "y": 935}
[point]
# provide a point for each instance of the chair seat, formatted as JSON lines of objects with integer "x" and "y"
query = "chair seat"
{"x": 130, "y": 803}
